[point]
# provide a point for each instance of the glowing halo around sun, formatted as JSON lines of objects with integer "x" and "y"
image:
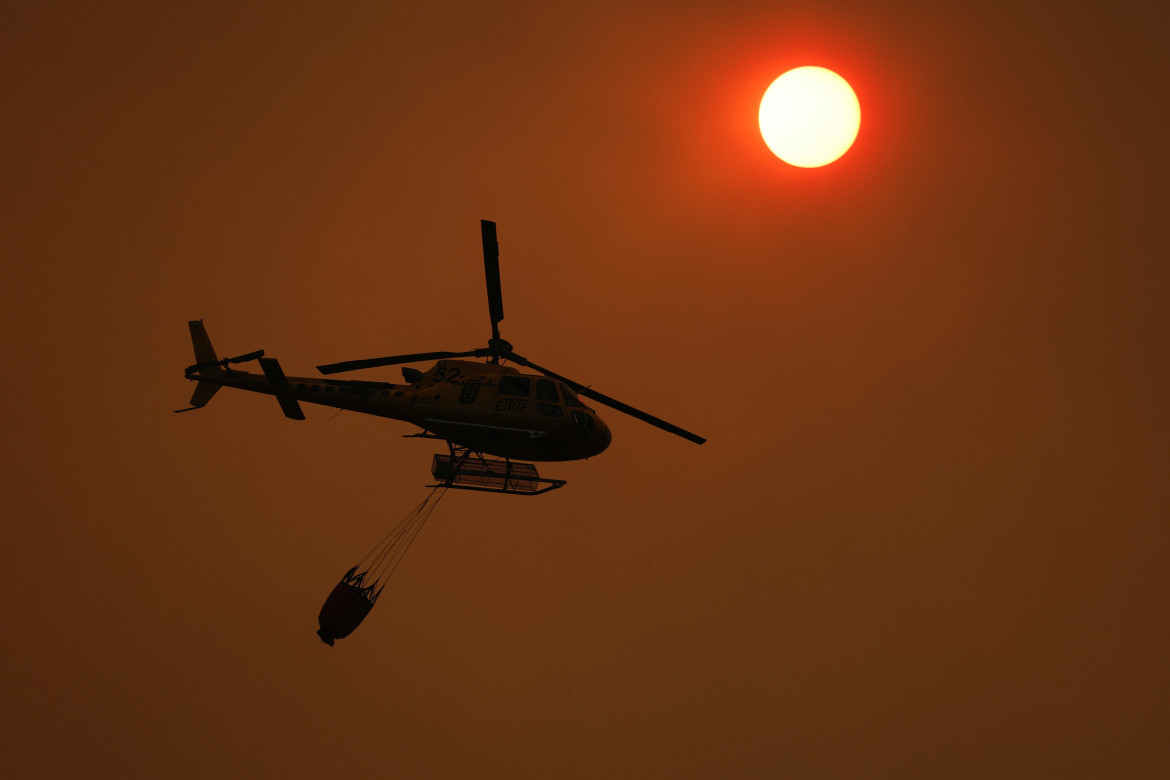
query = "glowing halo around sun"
{"x": 809, "y": 117}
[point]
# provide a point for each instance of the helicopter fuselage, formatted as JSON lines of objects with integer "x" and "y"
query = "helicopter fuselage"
{"x": 485, "y": 407}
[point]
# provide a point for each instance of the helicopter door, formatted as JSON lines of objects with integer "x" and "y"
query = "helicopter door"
{"x": 513, "y": 395}
{"x": 547, "y": 400}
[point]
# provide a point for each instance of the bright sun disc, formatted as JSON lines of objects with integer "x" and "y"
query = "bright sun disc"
{"x": 809, "y": 117}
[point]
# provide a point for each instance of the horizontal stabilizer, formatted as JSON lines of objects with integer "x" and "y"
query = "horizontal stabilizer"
{"x": 290, "y": 407}
{"x": 279, "y": 383}
{"x": 272, "y": 370}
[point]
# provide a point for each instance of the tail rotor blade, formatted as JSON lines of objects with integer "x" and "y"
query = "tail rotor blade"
{"x": 225, "y": 362}
{"x": 491, "y": 269}
{"x": 245, "y": 358}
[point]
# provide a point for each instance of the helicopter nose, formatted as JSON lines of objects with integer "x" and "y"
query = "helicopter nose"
{"x": 601, "y": 437}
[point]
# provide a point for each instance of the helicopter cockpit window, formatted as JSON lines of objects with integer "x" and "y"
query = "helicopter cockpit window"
{"x": 582, "y": 420}
{"x": 515, "y": 385}
{"x": 549, "y": 410}
{"x": 546, "y": 390}
{"x": 571, "y": 398}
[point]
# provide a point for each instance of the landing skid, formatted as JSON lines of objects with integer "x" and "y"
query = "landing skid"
{"x": 467, "y": 469}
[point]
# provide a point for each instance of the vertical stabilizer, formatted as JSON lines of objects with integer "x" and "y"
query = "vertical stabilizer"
{"x": 204, "y": 352}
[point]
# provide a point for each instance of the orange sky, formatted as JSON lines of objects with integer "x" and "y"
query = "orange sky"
{"x": 927, "y": 536}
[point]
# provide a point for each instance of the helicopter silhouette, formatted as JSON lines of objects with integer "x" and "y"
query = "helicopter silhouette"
{"x": 492, "y": 416}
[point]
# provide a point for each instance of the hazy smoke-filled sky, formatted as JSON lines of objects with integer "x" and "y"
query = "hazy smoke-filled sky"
{"x": 927, "y": 537}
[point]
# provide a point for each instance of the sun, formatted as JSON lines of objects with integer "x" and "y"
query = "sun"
{"x": 809, "y": 117}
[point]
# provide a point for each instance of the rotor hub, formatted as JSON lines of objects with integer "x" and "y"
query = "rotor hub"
{"x": 499, "y": 347}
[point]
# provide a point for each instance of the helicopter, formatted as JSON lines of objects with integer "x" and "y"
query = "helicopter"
{"x": 493, "y": 417}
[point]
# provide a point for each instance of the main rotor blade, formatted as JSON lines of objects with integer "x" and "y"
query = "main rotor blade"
{"x": 613, "y": 403}
{"x": 394, "y": 360}
{"x": 491, "y": 270}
